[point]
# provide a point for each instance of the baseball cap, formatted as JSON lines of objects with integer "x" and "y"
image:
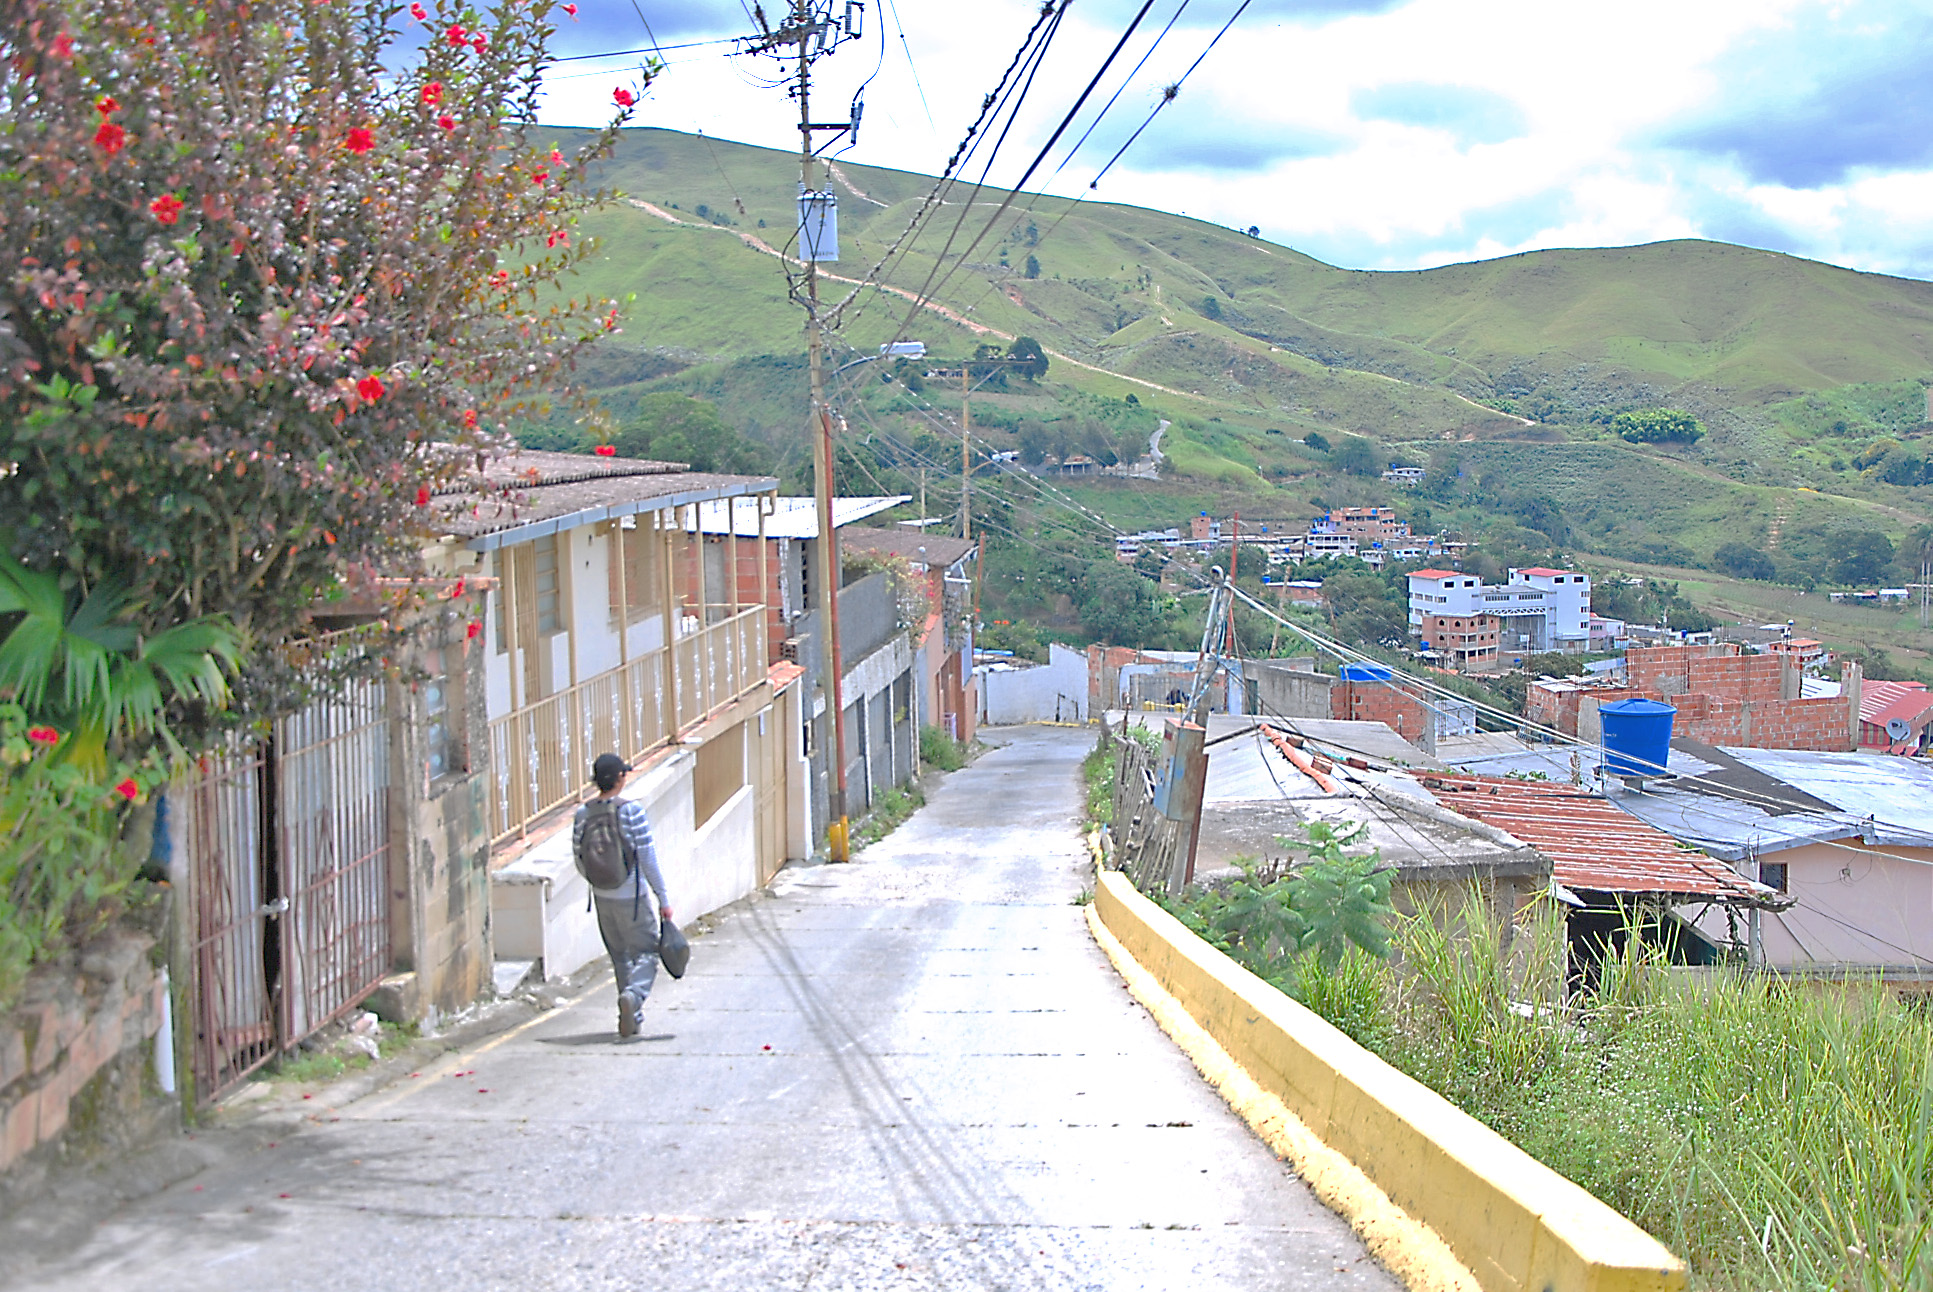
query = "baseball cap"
{"x": 608, "y": 768}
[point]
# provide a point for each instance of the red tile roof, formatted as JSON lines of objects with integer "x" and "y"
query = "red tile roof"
{"x": 1592, "y": 845}
{"x": 1542, "y": 570}
{"x": 1432, "y": 574}
{"x": 1876, "y": 697}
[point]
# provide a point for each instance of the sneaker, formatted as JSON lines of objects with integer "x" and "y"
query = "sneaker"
{"x": 627, "y": 1014}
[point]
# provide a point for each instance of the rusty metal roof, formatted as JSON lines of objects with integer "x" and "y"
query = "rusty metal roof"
{"x": 1592, "y": 845}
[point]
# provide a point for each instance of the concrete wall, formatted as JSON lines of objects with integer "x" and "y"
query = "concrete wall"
{"x": 1856, "y": 909}
{"x": 1291, "y": 689}
{"x": 76, "y": 1055}
{"x": 1517, "y": 1225}
{"x": 1052, "y": 692}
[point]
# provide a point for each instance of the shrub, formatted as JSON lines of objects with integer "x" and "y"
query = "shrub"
{"x": 1658, "y": 426}
{"x": 937, "y": 749}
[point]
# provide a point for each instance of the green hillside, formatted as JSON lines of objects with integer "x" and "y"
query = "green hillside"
{"x": 1503, "y": 375}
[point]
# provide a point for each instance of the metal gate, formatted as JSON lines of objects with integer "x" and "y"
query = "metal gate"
{"x": 288, "y": 859}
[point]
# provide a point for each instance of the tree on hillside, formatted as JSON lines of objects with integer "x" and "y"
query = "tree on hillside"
{"x": 1032, "y": 269}
{"x": 1357, "y": 456}
{"x": 1744, "y": 562}
{"x": 1118, "y": 606}
{"x": 272, "y": 275}
{"x": 673, "y": 427}
{"x": 1030, "y": 359}
{"x": 1317, "y": 441}
{"x": 1211, "y": 307}
{"x": 1862, "y": 556}
{"x": 1658, "y": 426}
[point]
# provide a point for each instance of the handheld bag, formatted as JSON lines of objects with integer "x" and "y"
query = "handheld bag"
{"x": 674, "y": 949}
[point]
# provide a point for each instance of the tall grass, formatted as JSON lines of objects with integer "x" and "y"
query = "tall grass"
{"x": 1776, "y": 1134}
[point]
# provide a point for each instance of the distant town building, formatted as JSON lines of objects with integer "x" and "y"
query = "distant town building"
{"x": 1538, "y": 609}
{"x": 1405, "y": 475}
{"x": 1467, "y": 642}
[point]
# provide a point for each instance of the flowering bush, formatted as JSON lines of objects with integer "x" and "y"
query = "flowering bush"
{"x": 270, "y": 269}
{"x": 61, "y": 866}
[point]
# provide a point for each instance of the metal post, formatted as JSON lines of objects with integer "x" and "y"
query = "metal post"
{"x": 966, "y": 463}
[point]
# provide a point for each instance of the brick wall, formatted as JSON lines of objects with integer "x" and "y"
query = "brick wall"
{"x": 1380, "y": 702}
{"x": 73, "y": 1034}
{"x": 1725, "y": 697}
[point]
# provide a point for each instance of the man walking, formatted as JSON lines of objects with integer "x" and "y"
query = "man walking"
{"x": 611, "y": 838}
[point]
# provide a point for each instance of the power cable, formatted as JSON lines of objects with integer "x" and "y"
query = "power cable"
{"x": 1169, "y": 94}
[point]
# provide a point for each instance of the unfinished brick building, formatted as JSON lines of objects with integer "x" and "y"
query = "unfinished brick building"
{"x": 1723, "y": 697}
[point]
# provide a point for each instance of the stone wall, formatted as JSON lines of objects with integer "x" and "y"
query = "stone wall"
{"x": 76, "y": 1054}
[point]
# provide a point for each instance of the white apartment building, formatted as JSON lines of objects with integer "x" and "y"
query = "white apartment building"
{"x": 1540, "y": 609}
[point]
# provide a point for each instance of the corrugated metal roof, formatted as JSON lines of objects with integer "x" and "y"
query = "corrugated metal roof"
{"x": 1893, "y": 795}
{"x": 931, "y": 550}
{"x": 1877, "y": 697}
{"x": 796, "y": 517}
{"x": 1592, "y": 845}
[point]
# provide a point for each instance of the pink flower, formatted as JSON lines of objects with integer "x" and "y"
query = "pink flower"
{"x": 166, "y": 208}
{"x": 478, "y": 43}
{"x": 128, "y": 790}
{"x": 556, "y": 157}
{"x": 418, "y": 12}
{"x": 110, "y": 138}
{"x": 457, "y": 37}
{"x": 63, "y": 46}
{"x": 360, "y": 140}
{"x": 474, "y": 631}
{"x": 422, "y": 496}
{"x": 571, "y": 9}
{"x": 556, "y": 236}
{"x": 470, "y": 418}
{"x": 605, "y": 450}
{"x": 540, "y": 177}
{"x": 447, "y": 121}
{"x": 433, "y": 93}
{"x": 106, "y": 106}
{"x": 623, "y": 97}
{"x": 43, "y": 736}
{"x": 371, "y": 388}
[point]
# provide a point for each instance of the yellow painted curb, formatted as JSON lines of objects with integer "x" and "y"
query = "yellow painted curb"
{"x": 1512, "y": 1222}
{"x": 1407, "y": 1248}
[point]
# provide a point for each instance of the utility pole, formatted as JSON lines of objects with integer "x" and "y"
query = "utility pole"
{"x": 966, "y": 462}
{"x": 811, "y": 21}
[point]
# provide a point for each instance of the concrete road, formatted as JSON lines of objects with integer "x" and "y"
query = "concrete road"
{"x": 913, "y": 1071}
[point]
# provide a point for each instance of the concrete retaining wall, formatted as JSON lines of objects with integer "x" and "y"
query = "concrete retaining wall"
{"x": 1052, "y": 692}
{"x": 1516, "y": 1224}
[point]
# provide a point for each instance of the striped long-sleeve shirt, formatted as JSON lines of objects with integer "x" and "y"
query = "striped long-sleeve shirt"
{"x": 635, "y": 827}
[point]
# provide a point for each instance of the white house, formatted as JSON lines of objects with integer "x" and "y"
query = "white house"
{"x": 1540, "y": 609}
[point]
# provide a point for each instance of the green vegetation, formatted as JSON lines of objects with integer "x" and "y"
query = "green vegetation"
{"x": 1098, "y": 771}
{"x": 891, "y": 808}
{"x": 1775, "y": 1134}
{"x": 937, "y": 749}
{"x": 1658, "y": 426}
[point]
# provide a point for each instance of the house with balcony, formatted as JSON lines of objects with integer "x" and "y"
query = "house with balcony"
{"x": 878, "y": 677}
{"x": 1537, "y": 610}
{"x": 609, "y": 626}
{"x": 948, "y": 569}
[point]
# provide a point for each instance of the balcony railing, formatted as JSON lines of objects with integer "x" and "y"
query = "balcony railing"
{"x": 541, "y": 754}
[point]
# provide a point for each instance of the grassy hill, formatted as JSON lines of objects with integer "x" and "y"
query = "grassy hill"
{"x": 1810, "y": 379}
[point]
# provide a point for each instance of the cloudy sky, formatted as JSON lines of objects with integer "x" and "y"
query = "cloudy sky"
{"x": 1377, "y": 133}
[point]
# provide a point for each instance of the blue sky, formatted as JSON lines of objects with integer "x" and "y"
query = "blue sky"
{"x": 1382, "y": 134}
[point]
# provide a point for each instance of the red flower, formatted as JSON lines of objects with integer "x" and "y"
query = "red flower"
{"x": 457, "y": 37}
{"x": 605, "y": 450}
{"x": 166, "y": 208}
{"x": 422, "y": 495}
{"x": 433, "y": 93}
{"x": 540, "y": 177}
{"x": 360, "y": 140}
{"x": 571, "y": 9}
{"x": 43, "y": 736}
{"x": 556, "y": 236}
{"x": 63, "y": 46}
{"x": 106, "y": 106}
{"x": 447, "y": 121}
{"x": 371, "y": 388}
{"x": 624, "y": 97}
{"x": 417, "y": 12}
{"x": 556, "y": 158}
{"x": 474, "y": 631}
{"x": 457, "y": 591}
{"x": 110, "y": 138}
{"x": 128, "y": 790}
{"x": 477, "y": 42}
{"x": 470, "y": 418}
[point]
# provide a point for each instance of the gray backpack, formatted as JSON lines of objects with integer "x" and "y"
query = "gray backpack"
{"x": 603, "y": 859}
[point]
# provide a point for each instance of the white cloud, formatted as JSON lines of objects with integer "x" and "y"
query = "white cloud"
{"x": 1581, "y": 102}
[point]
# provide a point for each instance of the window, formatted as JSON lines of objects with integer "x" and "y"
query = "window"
{"x": 549, "y": 585}
{"x": 1773, "y": 874}
{"x": 445, "y": 752}
{"x": 635, "y": 558}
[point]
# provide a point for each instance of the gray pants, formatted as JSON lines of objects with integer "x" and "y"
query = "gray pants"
{"x": 633, "y": 944}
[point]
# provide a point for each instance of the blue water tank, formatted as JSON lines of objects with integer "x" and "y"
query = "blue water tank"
{"x": 1366, "y": 672}
{"x": 1637, "y": 736}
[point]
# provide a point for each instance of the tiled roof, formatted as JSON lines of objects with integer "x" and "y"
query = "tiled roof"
{"x": 1875, "y": 698}
{"x": 934, "y": 550}
{"x": 526, "y": 494}
{"x": 1592, "y": 845}
{"x": 1432, "y": 574}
